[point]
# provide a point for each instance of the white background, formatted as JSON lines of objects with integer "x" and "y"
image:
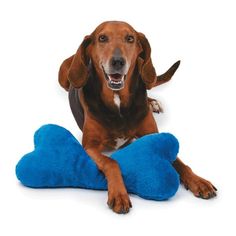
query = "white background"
{"x": 199, "y": 102}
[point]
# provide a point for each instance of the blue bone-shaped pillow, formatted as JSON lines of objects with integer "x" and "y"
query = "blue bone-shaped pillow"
{"x": 59, "y": 160}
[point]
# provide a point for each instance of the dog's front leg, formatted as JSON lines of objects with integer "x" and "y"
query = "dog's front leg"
{"x": 118, "y": 198}
{"x": 197, "y": 185}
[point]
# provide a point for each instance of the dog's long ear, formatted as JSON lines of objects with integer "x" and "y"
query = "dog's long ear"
{"x": 147, "y": 70}
{"x": 78, "y": 71}
{"x": 145, "y": 66}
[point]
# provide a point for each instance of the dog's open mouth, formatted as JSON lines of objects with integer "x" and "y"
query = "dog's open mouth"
{"x": 115, "y": 81}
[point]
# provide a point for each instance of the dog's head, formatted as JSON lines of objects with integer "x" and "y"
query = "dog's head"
{"x": 114, "y": 49}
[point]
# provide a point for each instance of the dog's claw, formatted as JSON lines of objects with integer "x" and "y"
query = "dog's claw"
{"x": 124, "y": 211}
{"x": 186, "y": 187}
{"x": 111, "y": 204}
{"x": 214, "y": 187}
{"x": 130, "y": 204}
{"x": 210, "y": 195}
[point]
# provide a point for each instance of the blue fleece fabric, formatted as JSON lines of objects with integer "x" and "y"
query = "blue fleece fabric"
{"x": 59, "y": 160}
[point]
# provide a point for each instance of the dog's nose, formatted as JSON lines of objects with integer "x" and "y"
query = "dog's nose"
{"x": 117, "y": 62}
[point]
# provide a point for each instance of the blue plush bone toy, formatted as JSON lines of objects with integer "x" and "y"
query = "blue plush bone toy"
{"x": 60, "y": 161}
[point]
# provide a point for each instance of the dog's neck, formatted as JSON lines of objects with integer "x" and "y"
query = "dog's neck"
{"x": 115, "y": 99}
{"x": 117, "y": 110}
{"x": 123, "y": 97}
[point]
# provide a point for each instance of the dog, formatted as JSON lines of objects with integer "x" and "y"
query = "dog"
{"x": 107, "y": 79}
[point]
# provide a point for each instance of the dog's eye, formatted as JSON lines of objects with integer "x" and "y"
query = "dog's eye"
{"x": 103, "y": 38}
{"x": 129, "y": 38}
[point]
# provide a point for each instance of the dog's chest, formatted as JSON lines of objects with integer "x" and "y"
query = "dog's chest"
{"x": 116, "y": 141}
{"x": 118, "y": 113}
{"x": 120, "y": 141}
{"x": 117, "y": 100}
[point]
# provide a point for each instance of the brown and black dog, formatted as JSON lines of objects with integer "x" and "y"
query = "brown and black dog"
{"x": 107, "y": 80}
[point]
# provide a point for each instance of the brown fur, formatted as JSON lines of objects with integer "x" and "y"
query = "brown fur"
{"x": 101, "y": 121}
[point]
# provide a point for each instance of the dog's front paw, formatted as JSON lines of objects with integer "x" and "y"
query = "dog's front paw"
{"x": 155, "y": 105}
{"x": 200, "y": 187}
{"x": 119, "y": 201}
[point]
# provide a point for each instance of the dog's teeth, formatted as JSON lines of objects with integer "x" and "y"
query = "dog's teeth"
{"x": 121, "y": 79}
{"x": 116, "y": 82}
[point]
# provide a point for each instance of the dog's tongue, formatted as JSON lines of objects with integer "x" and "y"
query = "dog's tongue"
{"x": 115, "y": 76}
